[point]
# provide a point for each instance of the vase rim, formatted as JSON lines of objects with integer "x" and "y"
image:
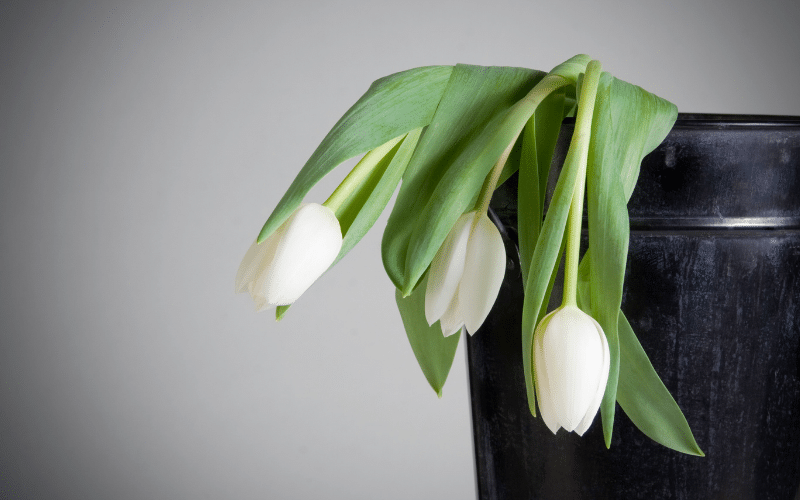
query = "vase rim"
{"x": 702, "y": 120}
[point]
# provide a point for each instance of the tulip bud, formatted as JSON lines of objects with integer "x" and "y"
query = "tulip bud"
{"x": 571, "y": 362}
{"x": 290, "y": 260}
{"x": 466, "y": 275}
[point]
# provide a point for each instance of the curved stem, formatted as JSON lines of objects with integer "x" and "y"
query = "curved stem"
{"x": 491, "y": 182}
{"x": 360, "y": 172}
{"x": 527, "y": 104}
{"x": 583, "y": 129}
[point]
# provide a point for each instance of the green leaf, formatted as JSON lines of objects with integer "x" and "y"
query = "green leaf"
{"x": 639, "y": 122}
{"x": 455, "y": 153}
{"x": 624, "y": 122}
{"x": 641, "y": 393}
{"x": 645, "y": 398}
{"x": 584, "y": 284}
{"x": 608, "y": 244}
{"x": 538, "y": 143}
{"x": 365, "y": 204}
{"x": 280, "y": 311}
{"x": 434, "y": 351}
{"x": 391, "y": 107}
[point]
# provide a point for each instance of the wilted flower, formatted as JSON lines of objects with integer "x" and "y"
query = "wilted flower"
{"x": 290, "y": 260}
{"x": 571, "y": 359}
{"x": 465, "y": 275}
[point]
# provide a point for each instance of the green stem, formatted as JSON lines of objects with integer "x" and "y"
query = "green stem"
{"x": 491, "y": 182}
{"x": 529, "y": 103}
{"x": 359, "y": 173}
{"x": 583, "y": 131}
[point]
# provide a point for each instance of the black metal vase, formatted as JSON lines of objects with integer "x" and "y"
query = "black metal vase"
{"x": 713, "y": 292}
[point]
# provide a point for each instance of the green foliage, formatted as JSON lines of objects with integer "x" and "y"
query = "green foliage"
{"x": 645, "y": 399}
{"x": 640, "y": 393}
{"x": 391, "y": 107}
{"x": 472, "y": 126}
{"x": 627, "y": 121}
{"x": 363, "y": 207}
{"x": 441, "y": 130}
{"x": 539, "y": 142}
{"x": 434, "y": 351}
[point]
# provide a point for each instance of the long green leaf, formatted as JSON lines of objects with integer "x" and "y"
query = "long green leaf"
{"x": 538, "y": 143}
{"x": 434, "y": 351}
{"x": 608, "y": 244}
{"x": 621, "y": 128}
{"x": 639, "y": 123}
{"x": 444, "y": 176}
{"x": 645, "y": 398}
{"x": 391, "y": 107}
{"x": 641, "y": 393}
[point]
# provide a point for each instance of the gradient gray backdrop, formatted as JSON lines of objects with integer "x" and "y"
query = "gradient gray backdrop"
{"x": 143, "y": 144}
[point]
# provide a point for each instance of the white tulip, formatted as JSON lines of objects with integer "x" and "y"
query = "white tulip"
{"x": 466, "y": 274}
{"x": 290, "y": 260}
{"x": 571, "y": 361}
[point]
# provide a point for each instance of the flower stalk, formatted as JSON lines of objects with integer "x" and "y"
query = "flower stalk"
{"x": 583, "y": 129}
{"x": 570, "y": 349}
{"x": 359, "y": 174}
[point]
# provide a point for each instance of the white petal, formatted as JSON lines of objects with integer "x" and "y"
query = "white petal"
{"x": 602, "y": 380}
{"x": 573, "y": 358}
{"x": 484, "y": 268}
{"x": 543, "y": 395}
{"x": 452, "y": 320}
{"x": 253, "y": 261}
{"x": 447, "y": 268}
{"x": 261, "y": 303}
{"x": 308, "y": 243}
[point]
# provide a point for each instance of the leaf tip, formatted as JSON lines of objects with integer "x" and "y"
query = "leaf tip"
{"x": 280, "y": 311}
{"x": 696, "y": 451}
{"x": 266, "y": 231}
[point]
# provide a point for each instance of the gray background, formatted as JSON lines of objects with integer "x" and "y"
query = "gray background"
{"x": 143, "y": 144}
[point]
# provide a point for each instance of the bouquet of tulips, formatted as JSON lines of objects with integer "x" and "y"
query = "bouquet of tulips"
{"x": 449, "y": 135}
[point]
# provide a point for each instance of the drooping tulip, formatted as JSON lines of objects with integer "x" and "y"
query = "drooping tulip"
{"x": 465, "y": 275}
{"x": 571, "y": 360}
{"x": 290, "y": 260}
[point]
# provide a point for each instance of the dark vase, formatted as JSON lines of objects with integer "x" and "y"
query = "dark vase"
{"x": 713, "y": 292}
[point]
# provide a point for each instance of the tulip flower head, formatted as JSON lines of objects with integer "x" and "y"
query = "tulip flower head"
{"x": 290, "y": 260}
{"x": 571, "y": 359}
{"x": 465, "y": 275}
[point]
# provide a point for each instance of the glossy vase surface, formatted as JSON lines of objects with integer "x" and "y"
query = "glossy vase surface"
{"x": 712, "y": 291}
